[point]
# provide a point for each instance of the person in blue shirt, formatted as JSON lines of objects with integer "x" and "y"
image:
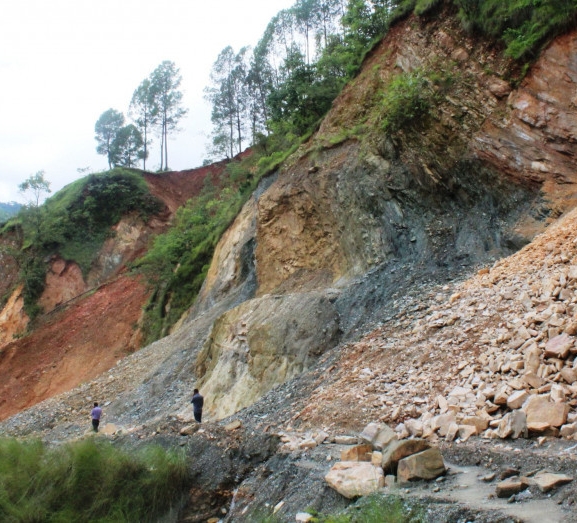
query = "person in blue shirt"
{"x": 197, "y": 403}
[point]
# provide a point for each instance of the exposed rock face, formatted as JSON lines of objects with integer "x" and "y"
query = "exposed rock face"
{"x": 13, "y": 319}
{"x": 64, "y": 281}
{"x": 260, "y": 344}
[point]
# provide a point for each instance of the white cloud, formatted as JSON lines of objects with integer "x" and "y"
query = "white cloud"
{"x": 65, "y": 62}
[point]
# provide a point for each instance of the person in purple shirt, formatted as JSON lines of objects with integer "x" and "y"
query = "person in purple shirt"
{"x": 95, "y": 414}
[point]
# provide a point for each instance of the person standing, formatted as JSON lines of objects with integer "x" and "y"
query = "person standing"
{"x": 197, "y": 403}
{"x": 96, "y": 414}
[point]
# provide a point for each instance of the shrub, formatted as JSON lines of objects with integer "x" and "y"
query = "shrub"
{"x": 90, "y": 480}
{"x": 406, "y": 100}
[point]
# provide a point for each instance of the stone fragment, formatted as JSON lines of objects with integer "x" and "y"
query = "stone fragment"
{"x": 509, "y": 472}
{"x": 569, "y": 375}
{"x": 513, "y": 424}
{"x": 415, "y": 427}
{"x": 480, "y": 423}
{"x": 376, "y": 458}
{"x": 534, "y": 381}
{"x": 568, "y": 430}
{"x": 538, "y": 426}
{"x": 516, "y": 400}
{"x": 559, "y": 346}
{"x": 308, "y": 443}
{"x": 352, "y": 479}
{"x": 189, "y": 429}
{"x": 547, "y": 481}
{"x": 303, "y": 517}
{"x": 357, "y": 453}
{"x": 233, "y": 425}
{"x": 452, "y": 432}
{"x": 427, "y": 464}
{"x": 443, "y": 421}
{"x": 346, "y": 440}
{"x": 540, "y": 409}
{"x": 532, "y": 358}
{"x": 466, "y": 431}
{"x": 501, "y": 396}
{"x": 510, "y": 486}
{"x": 390, "y": 480}
{"x": 379, "y": 435}
{"x": 397, "y": 450}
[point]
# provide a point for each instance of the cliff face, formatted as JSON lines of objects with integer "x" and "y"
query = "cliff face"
{"x": 363, "y": 216}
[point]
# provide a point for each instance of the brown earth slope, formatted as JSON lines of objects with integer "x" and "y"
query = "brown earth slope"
{"x": 89, "y": 323}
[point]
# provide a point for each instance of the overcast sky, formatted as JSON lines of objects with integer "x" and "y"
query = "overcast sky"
{"x": 64, "y": 62}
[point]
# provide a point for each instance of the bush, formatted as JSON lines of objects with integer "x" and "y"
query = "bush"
{"x": 407, "y": 99}
{"x": 90, "y": 480}
{"x": 523, "y": 25}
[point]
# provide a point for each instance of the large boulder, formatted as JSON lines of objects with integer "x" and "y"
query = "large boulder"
{"x": 379, "y": 435}
{"x": 423, "y": 465}
{"x": 397, "y": 450}
{"x": 540, "y": 409}
{"x": 352, "y": 479}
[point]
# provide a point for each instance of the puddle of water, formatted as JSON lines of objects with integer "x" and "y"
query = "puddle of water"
{"x": 466, "y": 487}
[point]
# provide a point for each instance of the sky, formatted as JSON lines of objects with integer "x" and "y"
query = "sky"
{"x": 64, "y": 62}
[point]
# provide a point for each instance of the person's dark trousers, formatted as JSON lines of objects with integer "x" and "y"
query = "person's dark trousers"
{"x": 95, "y": 423}
{"x": 198, "y": 416}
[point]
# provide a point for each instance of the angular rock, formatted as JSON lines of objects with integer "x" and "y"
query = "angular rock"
{"x": 532, "y": 359}
{"x": 466, "y": 431}
{"x": 357, "y": 453}
{"x": 303, "y": 517}
{"x": 559, "y": 346}
{"x": 397, "y": 450}
{"x": 233, "y": 425}
{"x": 480, "y": 423}
{"x": 513, "y": 424}
{"x": 547, "y": 481}
{"x": 569, "y": 375}
{"x": 189, "y": 429}
{"x": 352, "y": 479}
{"x": 443, "y": 422}
{"x": 534, "y": 381}
{"x": 379, "y": 435}
{"x": 541, "y": 409}
{"x": 516, "y": 400}
{"x": 505, "y": 489}
{"x": 376, "y": 458}
{"x": 427, "y": 464}
{"x": 415, "y": 427}
{"x": 346, "y": 440}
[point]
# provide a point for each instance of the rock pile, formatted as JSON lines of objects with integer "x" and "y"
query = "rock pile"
{"x": 362, "y": 468}
{"x": 494, "y": 356}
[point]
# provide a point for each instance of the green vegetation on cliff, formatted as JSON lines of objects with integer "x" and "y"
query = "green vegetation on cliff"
{"x": 177, "y": 262}
{"x": 74, "y": 223}
{"x": 89, "y": 480}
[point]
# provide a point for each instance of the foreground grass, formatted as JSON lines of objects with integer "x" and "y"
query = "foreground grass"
{"x": 90, "y": 480}
{"x": 371, "y": 509}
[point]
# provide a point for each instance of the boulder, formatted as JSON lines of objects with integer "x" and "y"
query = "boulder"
{"x": 547, "y": 481}
{"x": 397, "y": 450}
{"x": 540, "y": 409}
{"x": 379, "y": 435}
{"x": 352, "y": 479}
{"x": 511, "y": 486}
{"x": 357, "y": 453}
{"x": 427, "y": 464}
{"x": 513, "y": 424}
